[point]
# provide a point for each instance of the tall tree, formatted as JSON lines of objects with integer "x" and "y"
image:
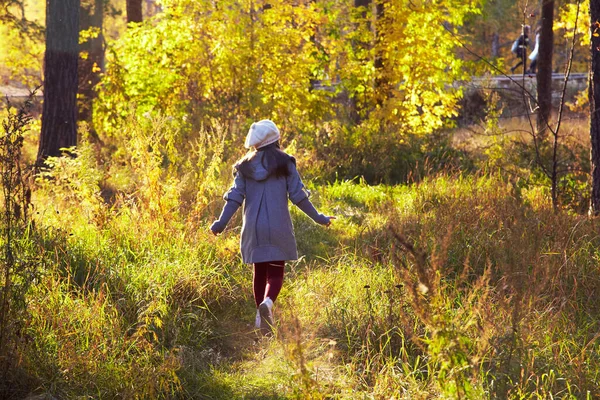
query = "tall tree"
{"x": 59, "y": 113}
{"x": 91, "y": 60}
{"x": 594, "y": 97}
{"x": 544, "y": 74}
{"x": 134, "y": 11}
{"x": 380, "y": 79}
{"x": 495, "y": 52}
{"x": 362, "y": 24}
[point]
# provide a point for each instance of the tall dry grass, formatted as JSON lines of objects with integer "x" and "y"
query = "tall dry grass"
{"x": 478, "y": 292}
{"x": 456, "y": 286}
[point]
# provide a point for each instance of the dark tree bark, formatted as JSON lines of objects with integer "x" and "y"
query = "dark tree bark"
{"x": 134, "y": 11}
{"x": 92, "y": 16}
{"x": 59, "y": 113}
{"x": 544, "y": 70}
{"x": 363, "y": 3}
{"x": 594, "y": 97}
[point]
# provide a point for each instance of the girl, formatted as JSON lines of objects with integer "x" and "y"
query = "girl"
{"x": 264, "y": 180}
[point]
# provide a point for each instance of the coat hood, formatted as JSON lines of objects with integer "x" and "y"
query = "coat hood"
{"x": 257, "y": 171}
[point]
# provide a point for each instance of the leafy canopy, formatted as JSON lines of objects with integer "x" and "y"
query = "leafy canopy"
{"x": 299, "y": 63}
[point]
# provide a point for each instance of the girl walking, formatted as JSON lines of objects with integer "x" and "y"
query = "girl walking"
{"x": 264, "y": 180}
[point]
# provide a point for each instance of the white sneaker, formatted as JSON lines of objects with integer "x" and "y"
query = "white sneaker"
{"x": 266, "y": 316}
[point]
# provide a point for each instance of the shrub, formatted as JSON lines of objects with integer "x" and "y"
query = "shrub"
{"x": 19, "y": 261}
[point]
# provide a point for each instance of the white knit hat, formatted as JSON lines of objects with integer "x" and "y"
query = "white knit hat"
{"x": 262, "y": 133}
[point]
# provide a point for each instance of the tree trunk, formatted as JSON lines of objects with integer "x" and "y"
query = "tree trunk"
{"x": 134, "y": 11}
{"x": 544, "y": 70}
{"x": 495, "y": 45}
{"x": 90, "y": 66}
{"x": 594, "y": 97}
{"x": 59, "y": 113}
{"x": 381, "y": 89}
{"x": 363, "y": 3}
{"x": 355, "y": 106}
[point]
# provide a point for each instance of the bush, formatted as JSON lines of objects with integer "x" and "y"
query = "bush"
{"x": 19, "y": 258}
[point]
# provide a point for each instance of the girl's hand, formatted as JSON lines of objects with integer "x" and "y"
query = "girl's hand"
{"x": 217, "y": 227}
{"x": 331, "y": 218}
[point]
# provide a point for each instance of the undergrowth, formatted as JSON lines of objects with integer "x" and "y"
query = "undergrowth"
{"x": 455, "y": 286}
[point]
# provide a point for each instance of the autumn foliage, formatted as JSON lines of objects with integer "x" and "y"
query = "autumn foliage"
{"x": 300, "y": 64}
{"x": 448, "y": 272}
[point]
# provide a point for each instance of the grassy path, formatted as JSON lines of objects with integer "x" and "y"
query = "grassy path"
{"x": 358, "y": 318}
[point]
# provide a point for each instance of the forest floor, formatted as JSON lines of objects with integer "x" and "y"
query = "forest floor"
{"x": 458, "y": 285}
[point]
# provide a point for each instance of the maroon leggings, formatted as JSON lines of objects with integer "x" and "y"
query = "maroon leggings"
{"x": 268, "y": 279}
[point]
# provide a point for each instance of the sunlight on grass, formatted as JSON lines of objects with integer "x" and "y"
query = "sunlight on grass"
{"x": 453, "y": 286}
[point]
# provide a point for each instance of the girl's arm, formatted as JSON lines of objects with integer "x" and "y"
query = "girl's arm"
{"x": 295, "y": 187}
{"x": 228, "y": 210}
{"x": 299, "y": 196}
{"x": 307, "y": 207}
{"x": 234, "y": 198}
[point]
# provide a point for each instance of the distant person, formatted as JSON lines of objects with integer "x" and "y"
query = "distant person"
{"x": 519, "y": 48}
{"x": 264, "y": 180}
{"x": 533, "y": 57}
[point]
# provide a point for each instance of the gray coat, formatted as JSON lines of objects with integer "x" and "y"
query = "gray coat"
{"x": 267, "y": 231}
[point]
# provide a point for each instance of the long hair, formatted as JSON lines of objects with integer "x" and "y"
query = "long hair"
{"x": 273, "y": 160}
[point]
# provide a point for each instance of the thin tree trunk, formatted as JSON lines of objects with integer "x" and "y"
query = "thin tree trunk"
{"x": 59, "y": 113}
{"x": 495, "y": 45}
{"x": 544, "y": 73}
{"x": 594, "y": 97}
{"x": 134, "y": 11}
{"x": 355, "y": 107}
{"x": 363, "y": 3}
{"x": 90, "y": 66}
{"x": 381, "y": 90}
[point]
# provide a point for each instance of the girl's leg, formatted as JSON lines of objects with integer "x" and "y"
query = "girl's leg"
{"x": 259, "y": 282}
{"x": 274, "y": 279}
{"x": 268, "y": 279}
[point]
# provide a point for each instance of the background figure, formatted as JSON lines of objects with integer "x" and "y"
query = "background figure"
{"x": 519, "y": 47}
{"x": 534, "y": 54}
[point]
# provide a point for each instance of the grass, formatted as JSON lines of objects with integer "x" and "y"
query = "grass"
{"x": 455, "y": 286}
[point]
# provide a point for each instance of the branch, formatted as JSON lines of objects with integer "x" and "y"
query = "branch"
{"x": 568, "y": 71}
